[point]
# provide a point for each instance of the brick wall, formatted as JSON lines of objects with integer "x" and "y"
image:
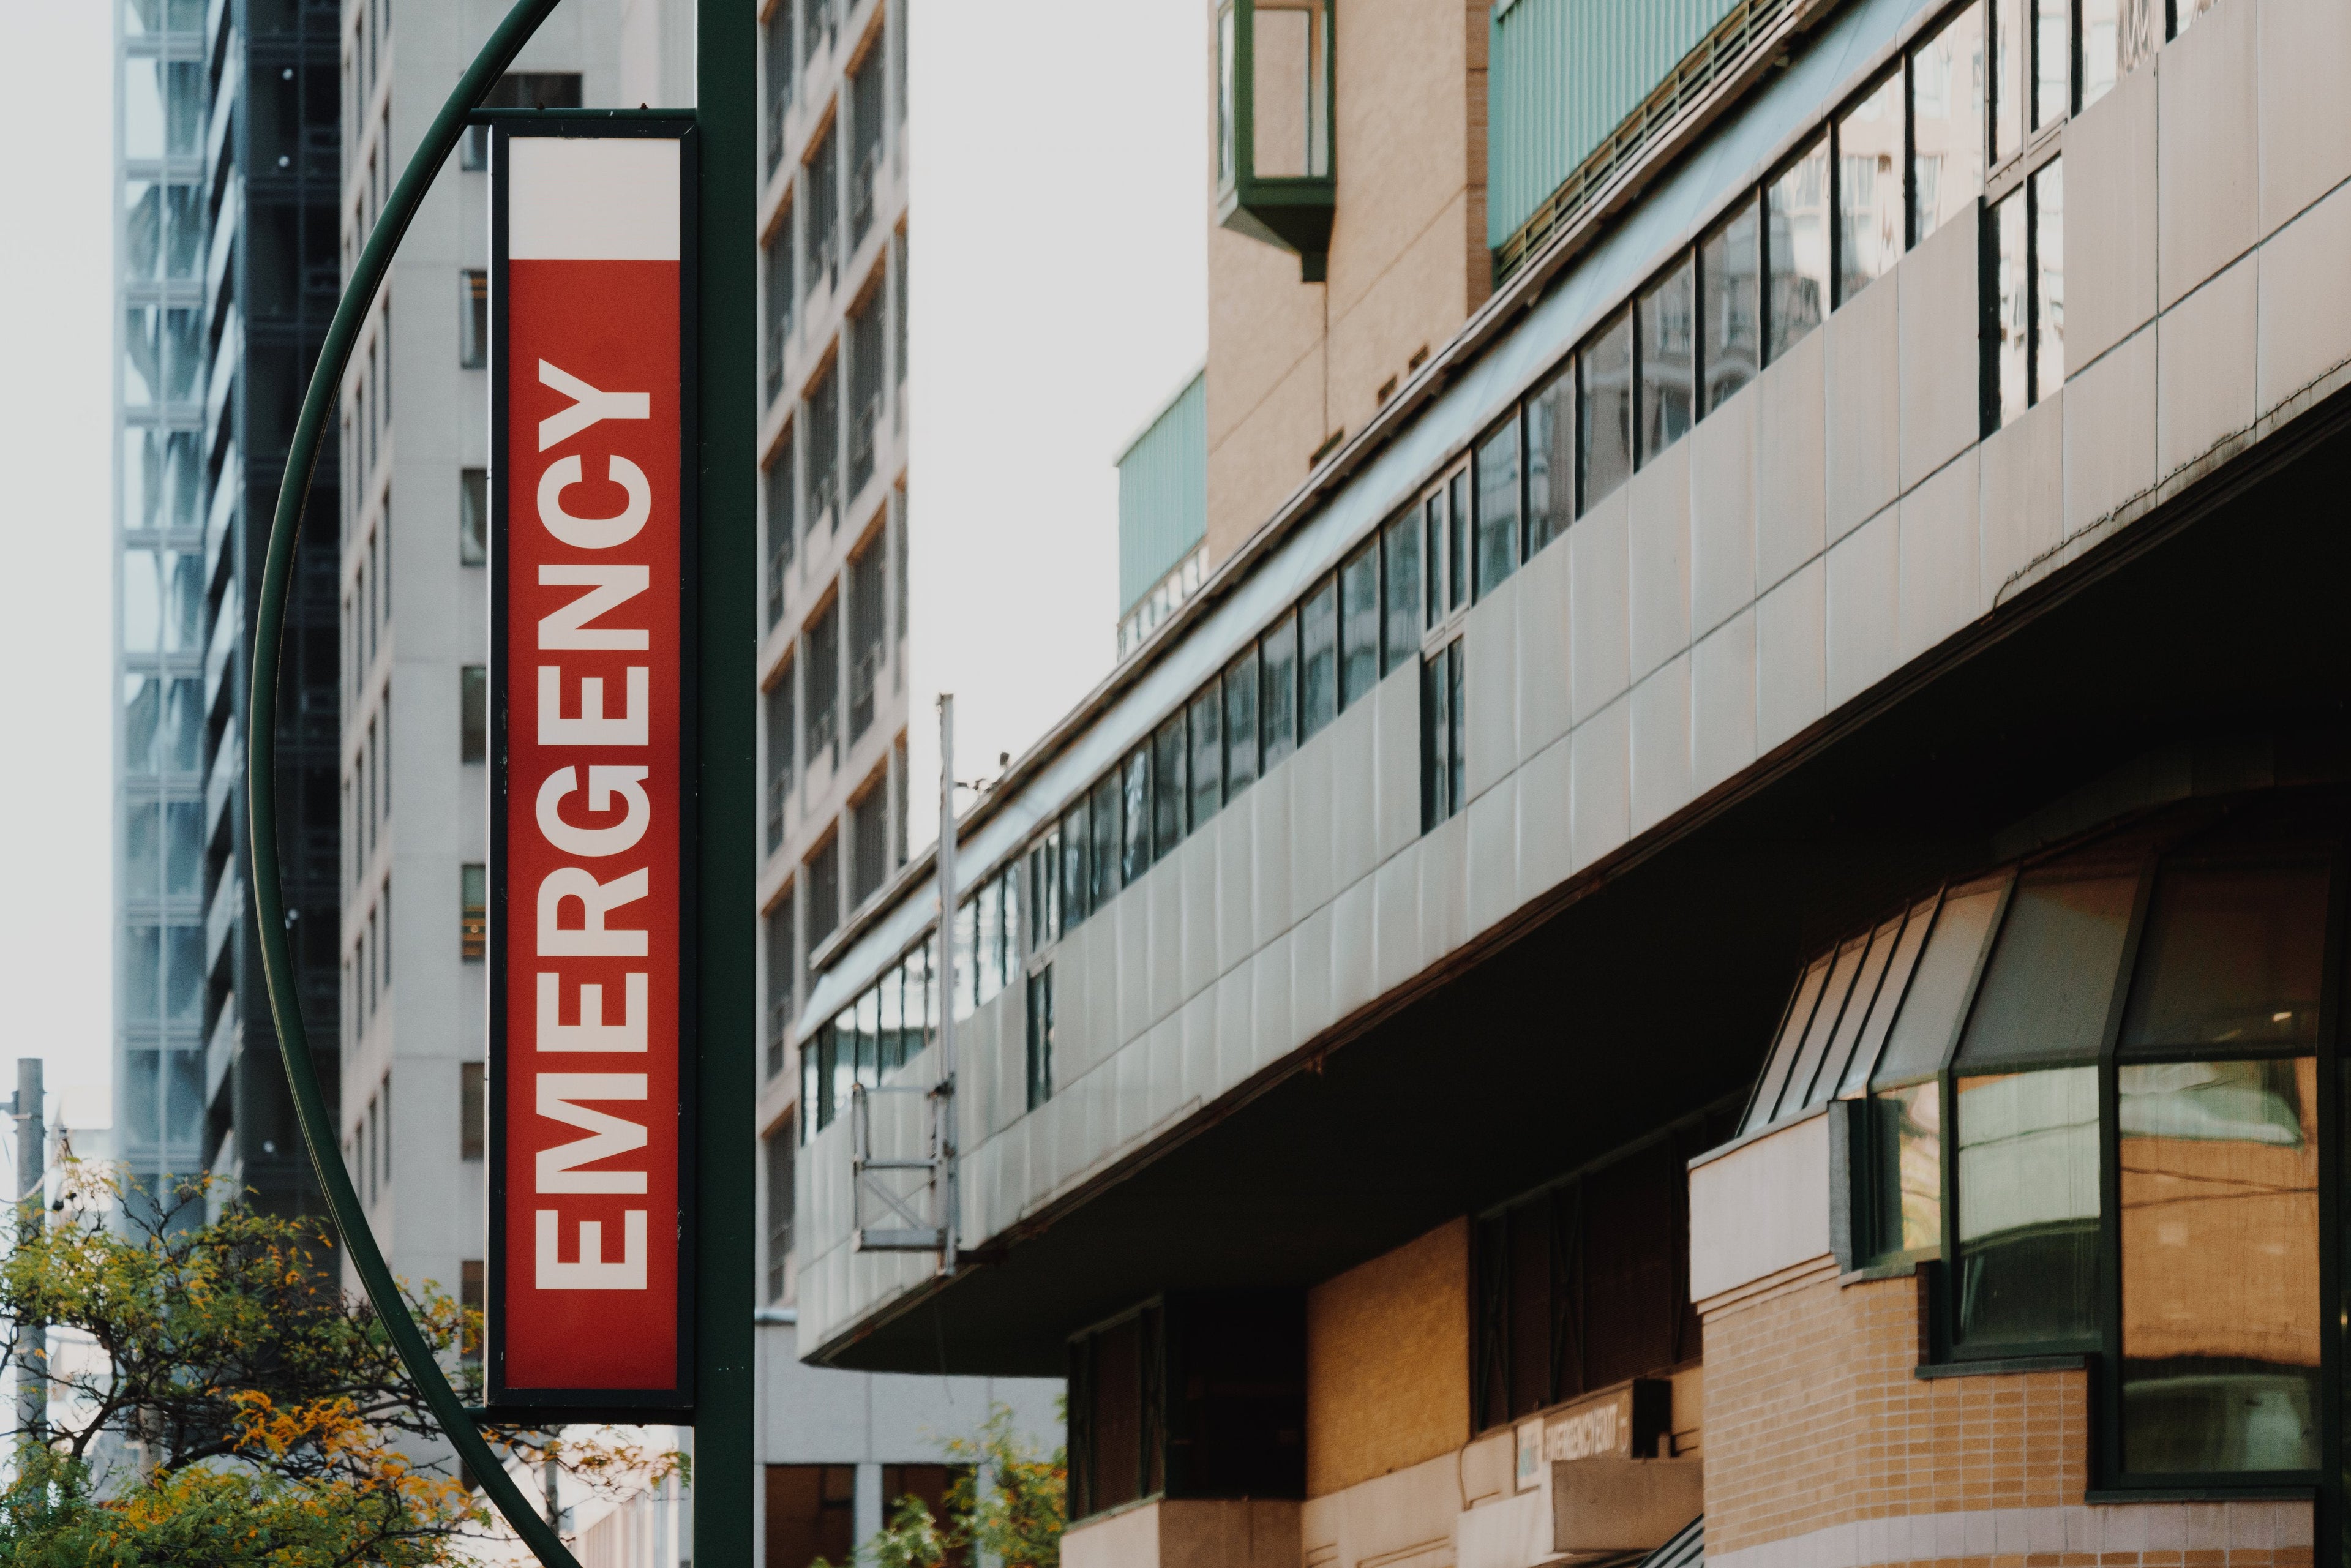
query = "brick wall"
{"x": 1814, "y": 1417}
{"x": 1387, "y": 1361}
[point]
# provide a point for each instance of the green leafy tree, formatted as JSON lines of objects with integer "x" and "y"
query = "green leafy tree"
{"x": 236, "y": 1408}
{"x": 1018, "y": 1523}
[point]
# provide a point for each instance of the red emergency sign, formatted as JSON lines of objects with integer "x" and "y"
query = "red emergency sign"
{"x": 590, "y": 825}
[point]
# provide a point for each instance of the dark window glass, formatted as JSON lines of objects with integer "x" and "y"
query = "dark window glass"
{"x": 1276, "y": 653}
{"x": 1134, "y": 815}
{"x": 1077, "y": 886}
{"x": 1796, "y": 250}
{"x": 1498, "y": 506}
{"x": 869, "y": 844}
{"x": 1400, "y": 567}
{"x": 1830, "y": 1080}
{"x": 1107, "y": 814}
{"x": 1359, "y": 623}
{"x": 1903, "y": 1203}
{"x": 1318, "y": 637}
{"x": 1207, "y": 752}
{"x": 2008, "y": 51}
{"x": 473, "y": 1111}
{"x": 1605, "y": 427}
{"x": 1892, "y": 989}
{"x": 1730, "y": 263}
{"x": 1432, "y": 551}
{"x": 779, "y": 483}
{"x": 473, "y": 517}
{"x": 820, "y": 883}
{"x": 1170, "y": 793}
{"x": 474, "y": 320}
{"x": 1669, "y": 328}
{"x": 779, "y": 1150}
{"x": 2232, "y": 956}
{"x": 1040, "y": 1036}
{"x": 2220, "y": 1266}
{"x": 1550, "y": 459}
{"x": 1782, "y": 1062}
{"x": 2012, "y": 293}
{"x": 782, "y": 972}
{"x": 1240, "y": 724}
{"x": 1811, "y": 1052}
{"x": 473, "y": 713}
{"x": 1441, "y": 735}
{"x": 2028, "y": 1208}
{"x": 2051, "y": 982}
{"x": 1870, "y": 209}
{"x": 811, "y": 1510}
{"x": 1946, "y": 121}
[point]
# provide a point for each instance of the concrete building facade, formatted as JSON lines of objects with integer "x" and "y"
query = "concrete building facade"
{"x": 1717, "y": 935}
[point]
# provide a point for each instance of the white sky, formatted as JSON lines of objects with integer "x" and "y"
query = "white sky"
{"x": 1060, "y": 295}
{"x": 56, "y": 600}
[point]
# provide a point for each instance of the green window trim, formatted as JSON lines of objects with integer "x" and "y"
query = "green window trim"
{"x": 1290, "y": 210}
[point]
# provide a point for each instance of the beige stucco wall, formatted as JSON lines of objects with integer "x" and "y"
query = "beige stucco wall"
{"x": 1292, "y": 363}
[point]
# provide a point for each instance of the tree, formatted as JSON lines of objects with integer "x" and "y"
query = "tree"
{"x": 238, "y": 1408}
{"x": 1018, "y": 1523}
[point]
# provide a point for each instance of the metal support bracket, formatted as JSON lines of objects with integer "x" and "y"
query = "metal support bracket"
{"x": 888, "y": 1212}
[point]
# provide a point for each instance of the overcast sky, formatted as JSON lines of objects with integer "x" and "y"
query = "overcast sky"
{"x": 1059, "y": 297}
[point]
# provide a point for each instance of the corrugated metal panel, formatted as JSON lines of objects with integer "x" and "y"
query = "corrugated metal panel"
{"x": 1163, "y": 493}
{"x": 1562, "y": 75}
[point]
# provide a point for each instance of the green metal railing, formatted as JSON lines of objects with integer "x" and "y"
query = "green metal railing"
{"x": 261, "y": 783}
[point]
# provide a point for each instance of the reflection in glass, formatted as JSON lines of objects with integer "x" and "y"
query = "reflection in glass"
{"x": 1076, "y": 885}
{"x": 1208, "y": 753}
{"x": 143, "y": 609}
{"x": 1498, "y": 508}
{"x": 2049, "y": 279}
{"x": 2050, "y": 981}
{"x": 1106, "y": 816}
{"x": 1170, "y": 791}
{"x": 1907, "y": 1169}
{"x": 2010, "y": 363}
{"x": 1728, "y": 263}
{"x": 184, "y": 355}
{"x": 1668, "y": 328}
{"x": 1823, "y": 1026}
{"x": 1781, "y": 1062}
{"x": 1456, "y": 539}
{"x": 183, "y": 725}
{"x": 142, "y": 850}
{"x": 1606, "y": 425}
{"x": 182, "y": 848}
{"x": 2008, "y": 50}
{"x": 1946, "y": 121}
{"x": 184, "y": 1097}
{"x": 142, "y": 712}
{"x": 1289, "y": 58}
{"x": 1796, "y": 250}
{"x": 1319, "y": 637}
{"x": 1550, "y": 458}
{"x": 2028, "y": 1208}
{"x": 142, "y": 255}
{"x": 1865, "y": 1001}
{"x": 2232, "y": 956}
{"x": 2101, "y": 48}
{"x": 183, "y": 994}
{"x": 142, "y": 108}
{"x": 1226, "y": 173}
{"x": 1400, "y": 567}
{"x": 1359, "y": 623}
{"x": 184, "y": 119}
{"x": 1924, "y": 1029}
{"x": 143, "y": 355}
{"x": 1134, "y": 815}
{"x": 2053, "y": 60}
{"x": 1869, "y": 188}
{"x": 2219, "y": 1265}
{"x": 142, "y": 974}
{"x": 184, "y": 600}
{"x": 1276, "y": 653}
{"x": 1893, "y": 992}
{"x": 1240, "y": 724}
{"x": 140, "y": 1095}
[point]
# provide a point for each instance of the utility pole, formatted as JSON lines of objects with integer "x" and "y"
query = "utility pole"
{"x": 33, "y": 1363}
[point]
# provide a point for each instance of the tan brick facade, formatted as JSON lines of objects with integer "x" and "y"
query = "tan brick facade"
{"x": 1387, "y": 1361}
{"x": 1824, "y": 1445}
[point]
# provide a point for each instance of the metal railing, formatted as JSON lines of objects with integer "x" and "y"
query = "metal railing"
{"x": 898, "y": 1204}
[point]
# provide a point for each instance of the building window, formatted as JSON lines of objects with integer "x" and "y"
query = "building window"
{"x": 869, "y": 844}
{"x": 822, "y": 669}
{"x": 473, "y": 712}
{"x": 1171, "y": 793}
{"x": 782, "y": 732}
{"x": 1495, "y": 471}
{"x": 776, "y": 67}
{"x": 1359, "y": 623}
{"x": 868, "y": 615}
{"x": 1729, "y": 259}
{"x": 823, "y": 177}
{"x": 781, "y": 1147}
{"x": 2026, "y": 358}
{"x": 780, "y": 299}
{"x": 783, "y": 975}
{"x": 473, "y": 319}
{"x": 866, "y": 110}
{"x": 1240, "y": 724}
{"x": 1276, "y": 653}
{"x": 473, "y": 517}
{"x": 1400, "y": 568}
{"x": 473, "y": 912}
{"x": 1871, "y": 210}
{"x": 516, "y": 89}
{"x": 822, "y": 881}
{"x": 1667, "y": 325}
{"x": 1077, "y": 884}
{"x": 1317, "y": 660}
{"x": 1606, "y": 409}
{"x": 473, "y": 1110}
{"x": 822, "y": 459}
{"x": 868, "y": 372}
{"x": 1040, "y": 1036}
{"x": 1946, "y": 123}
{"x": 1106, "y": 814}
{"x": 1442, "y": 736}
{"x": 472, "y": 1295}
{"x": 811, "y": 1510}
{"x": 782, "y": 525}
{"x": 1796, "y": 250}
{"x": 1134, "y": 815}
{"x": 1045, "y": 891}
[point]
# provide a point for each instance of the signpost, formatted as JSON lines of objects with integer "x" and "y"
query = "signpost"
{"x": 591, "y": 830}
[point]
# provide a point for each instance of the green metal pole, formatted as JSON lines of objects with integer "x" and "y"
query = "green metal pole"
{"x": 725, "y": 1268}
{"x": 261, "y": 784}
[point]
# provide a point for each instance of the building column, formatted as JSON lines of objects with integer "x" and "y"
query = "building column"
{"x": 865, "y": 1511}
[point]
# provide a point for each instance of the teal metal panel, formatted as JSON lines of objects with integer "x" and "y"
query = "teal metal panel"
{"x": 1163, "y": 493}
{"x": 1562, "y": 75}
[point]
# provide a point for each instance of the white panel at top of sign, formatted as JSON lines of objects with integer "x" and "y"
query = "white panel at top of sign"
{"x": 593, "y": 198}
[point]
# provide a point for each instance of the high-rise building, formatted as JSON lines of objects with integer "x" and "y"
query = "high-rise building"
{"x": 227, "y": 164}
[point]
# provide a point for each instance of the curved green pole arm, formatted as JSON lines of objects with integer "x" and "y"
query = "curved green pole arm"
{"x": 261, "y": 782}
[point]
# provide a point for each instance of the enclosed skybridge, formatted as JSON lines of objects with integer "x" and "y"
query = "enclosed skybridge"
{"x": 1771, "y": 548}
